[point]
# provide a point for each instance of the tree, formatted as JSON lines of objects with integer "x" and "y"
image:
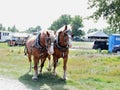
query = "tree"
{"x": 37, "y": 28}
{"x": 109, "y": 31}
{"x": 109, "y": 9}
{"x": 63, "y": 20}
{"x": 92, "y": 30}
{"x": 1, "y": 27}
{"x": 13, "y": 29}
{"x": 33, "y": 29}
{"x": 77, "y": 25}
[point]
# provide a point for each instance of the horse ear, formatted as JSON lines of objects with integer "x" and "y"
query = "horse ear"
{"x": 54, "y": 32}
{"x": 72, "y": 35}
{"x": 65, "y": 27}
{"x": 48, "y": 34}
{"x": 60, "y": 32}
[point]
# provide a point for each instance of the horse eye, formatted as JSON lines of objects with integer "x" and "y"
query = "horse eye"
{"x": 72, "y": 35}
{"x": 65, "y": 34}
{"x": 49, "y": 40}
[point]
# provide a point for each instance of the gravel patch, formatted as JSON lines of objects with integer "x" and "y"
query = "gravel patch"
{"x": 9, "y": 84}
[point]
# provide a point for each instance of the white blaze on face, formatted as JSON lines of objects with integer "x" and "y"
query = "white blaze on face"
{"x": 70, "y": 41}
{"x": 51, "y": 49}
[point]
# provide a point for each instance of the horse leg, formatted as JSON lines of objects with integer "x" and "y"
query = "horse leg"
{"x": 29, "y": 57}
{"x": 65, "y": 67}
{"x": 42, "y": 64}
{"x": 49, "y": 63}
{"x": 54, "y": 64}
{"x": 36, "y": 61}
{"x": 25, "y": 50}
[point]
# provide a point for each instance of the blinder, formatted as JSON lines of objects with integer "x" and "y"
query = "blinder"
{"x": 49, "y": 42}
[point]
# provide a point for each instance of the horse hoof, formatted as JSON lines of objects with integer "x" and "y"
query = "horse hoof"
{"x": 54, "y": 74}
{"x": 65, "y": 78}
{"x": 39, "y": 74}
{"x": 35, "y": 79}
{"x": 49, "y": 69}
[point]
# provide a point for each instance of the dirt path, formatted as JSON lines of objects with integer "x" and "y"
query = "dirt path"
{"x": 9, "y": 84}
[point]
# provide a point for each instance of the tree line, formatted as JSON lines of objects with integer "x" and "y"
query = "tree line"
{"x": 14, "y": 29}
{"x": 76, "y": 22}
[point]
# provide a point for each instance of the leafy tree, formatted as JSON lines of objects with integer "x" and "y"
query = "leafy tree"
{"x": 63, "y": 20}
{"x": 9, "y": 29}
{"x": 77, "y": 25}
{"x": 1, "y": 26}
{"x": 92, "y": 30}
{"x": 13, "y": 29}
{"x": 33, "y": 29}
{"x": 109, "y": 9}
{"x": 4, "y": 29}
{"x": 109, "y": 30}
{"x": 37, "y": 28}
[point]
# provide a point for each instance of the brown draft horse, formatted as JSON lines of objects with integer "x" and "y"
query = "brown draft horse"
{"x": 40, "y": 48}
{"x": 61, "y": 47}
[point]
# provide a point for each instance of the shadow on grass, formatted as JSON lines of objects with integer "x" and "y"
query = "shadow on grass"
{"x": 46, "y": 81}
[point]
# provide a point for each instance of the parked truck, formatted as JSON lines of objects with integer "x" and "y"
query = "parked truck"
{"x": 18, "y": 39}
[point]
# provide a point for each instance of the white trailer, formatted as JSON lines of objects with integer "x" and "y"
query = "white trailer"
{"x": 4, "y": 36}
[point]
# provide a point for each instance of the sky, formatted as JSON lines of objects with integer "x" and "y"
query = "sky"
{"x": 30, "y": 13}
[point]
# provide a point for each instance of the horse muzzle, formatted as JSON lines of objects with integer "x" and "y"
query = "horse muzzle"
{"x": 70, "y": 45}
{"x": 50, "y": 52}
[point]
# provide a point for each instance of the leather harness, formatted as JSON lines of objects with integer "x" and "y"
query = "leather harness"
{"x": 38, "y": 45}
{"x": 57, "y": 44}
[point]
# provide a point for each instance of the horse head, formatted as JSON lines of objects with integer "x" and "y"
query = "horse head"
{"x": 48, "y": 41}
{"x": 65, "y": 35}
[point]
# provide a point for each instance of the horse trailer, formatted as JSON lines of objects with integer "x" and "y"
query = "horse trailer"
{"x": 114, "y": 39}
{"x": 4, "y": 36}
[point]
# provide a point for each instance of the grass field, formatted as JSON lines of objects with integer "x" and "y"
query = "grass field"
{"x": 87, "y": 69}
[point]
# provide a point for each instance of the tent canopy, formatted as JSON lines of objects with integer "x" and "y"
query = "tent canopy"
{"x": 98, "y": 34}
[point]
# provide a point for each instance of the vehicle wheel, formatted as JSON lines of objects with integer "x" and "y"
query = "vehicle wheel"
{"x": 99, "y": 49}
{"x": 118, "y": 52}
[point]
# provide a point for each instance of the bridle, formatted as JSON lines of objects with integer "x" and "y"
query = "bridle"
{"x": 48, "y": 42}
{"x": 67, "y": 34}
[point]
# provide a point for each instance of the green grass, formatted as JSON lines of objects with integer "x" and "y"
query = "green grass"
{"x": 87, "y": 69}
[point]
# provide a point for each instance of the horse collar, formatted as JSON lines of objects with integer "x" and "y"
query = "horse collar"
{"x": 62, "y": 48}
{"x": 38, "y": 45}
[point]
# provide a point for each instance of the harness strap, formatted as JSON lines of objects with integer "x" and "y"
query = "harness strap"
{"x": 61, "y": 48}
{"x": 38, "y": 45}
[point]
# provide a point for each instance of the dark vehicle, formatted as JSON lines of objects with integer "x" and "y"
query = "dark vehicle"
{"x": 17, "y": 41}
{"x": 77, "y": 39}
{"x": 116, "y": 49}
{"x": 101, "y": 45}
